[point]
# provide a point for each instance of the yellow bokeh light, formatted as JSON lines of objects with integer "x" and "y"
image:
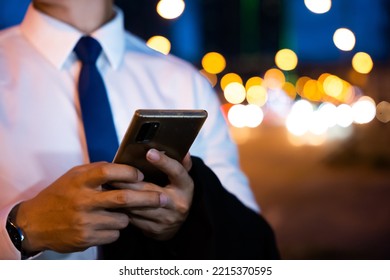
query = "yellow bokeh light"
{"x": 257, "y": 95}
{"x": 254, "y": 81}
{"x": 322, "y": 77}
{"x": 362, "y": 63}
{"x": 213, "y": 63}
{"x": 286, "y": 59}
{"x": 333, "y": 86}
{"x": 170, "y": 9}
{"x": 160, "y": 44}
{"x": 230, "y": 78}
{"x": 274, "y": 79}
{"x": 344, "y": 39}
{"x": 311, "y": 91}
{"x": 300, "y": 84}
{"x": 290, "y": 90}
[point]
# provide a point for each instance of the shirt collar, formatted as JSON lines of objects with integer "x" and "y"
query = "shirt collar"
{"x": 55, "y": 40}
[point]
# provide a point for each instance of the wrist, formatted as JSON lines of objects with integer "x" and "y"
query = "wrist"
{"x": 17, "y": 234}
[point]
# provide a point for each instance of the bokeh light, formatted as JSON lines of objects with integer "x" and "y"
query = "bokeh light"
{"x": 230, "y": 78}
{"x": 235, "y": 93}
{"x": 318, "y": 6}
{"x": 236, "y": 115}
{"x": 311, "y": 91}
{"x": 333, "y": 86}
{"x": 170, "y": 9}
{"x": 344, "y": 115}
{"x": 274, "y": 79}
{"x": 362, "y": 63}
{"x": 344, "y": 39}
{"x": 214, "y": 62}
{"x": 257, "y": 95}
{"x": 290, "y": 90}
{"x": 160, "y": 44}
{"x": 298, "y": 121}
{"x": 253, "y": 81}
{"x": 328, "y": 111}
{"x": 286, "y": 59}
{"x": 364, "y": 110}
{"x": 383, "y": 111}
{"x": 254, "y": 115}
{"x": 300, "y": 84}
{"x": 245, "y": 116}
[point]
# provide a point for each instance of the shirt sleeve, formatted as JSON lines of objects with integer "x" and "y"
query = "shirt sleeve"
{"x": 8, "y": 250}
{"x": 217, "y": 149}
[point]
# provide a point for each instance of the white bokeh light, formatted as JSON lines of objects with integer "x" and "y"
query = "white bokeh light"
{"x": 236, "y": 115}
{"x": 298, "y": 122}
{"x": 170, "y": 9}
{"x": 344, "y": 115}
{"x": 328, "y": 112}
{"x": 254, "y": 115}
{"x": 344, "y": 39}
{"x": 318, "y": 6}
{"x": 235, "y": 93}
{"x": 364, "y": 110}
{"x": 319, "y": 125}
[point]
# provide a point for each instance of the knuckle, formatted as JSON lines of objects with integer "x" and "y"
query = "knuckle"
{"x": 103, "y": 169}
{"x": 183, "y": 208}
{"x": 80, "y": 205}
{"x": 82, "y": 239}
{"x": 154, "y": 199}
{"x": 122, "y": 198}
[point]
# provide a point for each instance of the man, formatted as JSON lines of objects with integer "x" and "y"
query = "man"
{"x": 51, "y": 193}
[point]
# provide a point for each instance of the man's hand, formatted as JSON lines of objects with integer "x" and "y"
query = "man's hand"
{"x": 163, "y": 223}
{"x": 71, "y": 214}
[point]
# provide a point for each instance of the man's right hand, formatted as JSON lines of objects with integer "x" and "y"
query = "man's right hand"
{"x": 72, "y": 214}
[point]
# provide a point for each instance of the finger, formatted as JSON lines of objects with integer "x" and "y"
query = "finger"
{"x": 105, "y": 237}
{"x": 141, "y": 186}
{"x": 127, "y": 199}
{"x": 187, "y": 162}
{"x": 158, "y": 230}
{"x": 153, "y": 215}
{"x": 175, "y": 171}
{"x": 106, "y": 220}
{"x": 103, "y": 172}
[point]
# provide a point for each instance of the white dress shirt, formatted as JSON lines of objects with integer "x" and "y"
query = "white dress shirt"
{"x": 41, "y": 133}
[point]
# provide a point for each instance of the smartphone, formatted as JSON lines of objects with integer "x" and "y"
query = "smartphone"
{"x": 170, "y": 131}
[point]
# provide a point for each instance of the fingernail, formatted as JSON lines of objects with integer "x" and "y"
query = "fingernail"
{"x": 163, "y": 200}
{"x": 153, "y": 155}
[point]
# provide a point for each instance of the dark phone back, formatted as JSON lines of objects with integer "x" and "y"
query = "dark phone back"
{"x": 171, "y": 131}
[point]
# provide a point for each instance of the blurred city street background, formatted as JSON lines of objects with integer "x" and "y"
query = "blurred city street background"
{"x": 305, "y": 87}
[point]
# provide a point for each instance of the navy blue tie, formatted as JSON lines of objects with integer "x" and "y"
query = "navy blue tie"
{"x": 96, "y": 112}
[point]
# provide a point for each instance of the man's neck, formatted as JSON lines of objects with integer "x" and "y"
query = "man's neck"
{"x": 85, "y": 15}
